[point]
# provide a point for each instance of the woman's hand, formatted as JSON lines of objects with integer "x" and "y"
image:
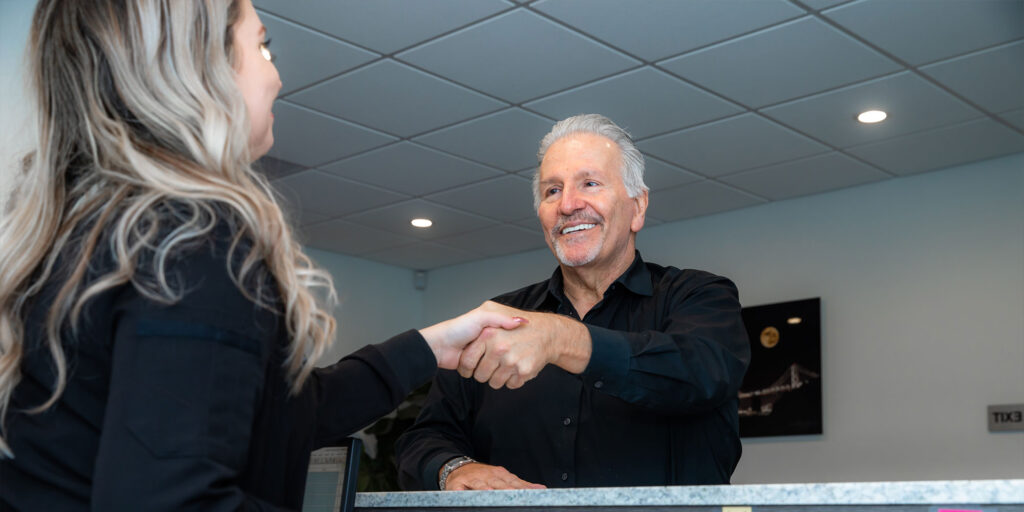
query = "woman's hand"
{"x": 448, "y": 338}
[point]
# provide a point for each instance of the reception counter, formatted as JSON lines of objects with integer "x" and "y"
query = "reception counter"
{"x": 928, "y": 496}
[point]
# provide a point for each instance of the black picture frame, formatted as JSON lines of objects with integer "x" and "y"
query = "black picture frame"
{"x": 781, "y": 393}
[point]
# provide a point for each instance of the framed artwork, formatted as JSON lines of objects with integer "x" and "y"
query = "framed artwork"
{"x": 781, "y": 393}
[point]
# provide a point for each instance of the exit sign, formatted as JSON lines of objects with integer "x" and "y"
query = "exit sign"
{"x": 1005, "y": 417}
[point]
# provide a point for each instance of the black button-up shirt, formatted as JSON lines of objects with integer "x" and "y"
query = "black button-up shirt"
{"x": 656, "y": 405}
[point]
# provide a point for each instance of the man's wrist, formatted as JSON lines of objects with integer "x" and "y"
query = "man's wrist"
{"x": 449, "y": 466}
{"x": 573, "y": 344}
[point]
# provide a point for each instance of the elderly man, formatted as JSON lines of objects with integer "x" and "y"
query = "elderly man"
{"x": 627, "y": 372}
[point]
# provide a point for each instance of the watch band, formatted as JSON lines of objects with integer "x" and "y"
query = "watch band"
{"x": 450, "y": 466}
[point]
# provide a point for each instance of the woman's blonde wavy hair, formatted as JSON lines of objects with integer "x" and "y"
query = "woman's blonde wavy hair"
{"x": 139, "y": 112}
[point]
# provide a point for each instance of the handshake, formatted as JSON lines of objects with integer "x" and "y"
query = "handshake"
{"x": 505, "y": 346}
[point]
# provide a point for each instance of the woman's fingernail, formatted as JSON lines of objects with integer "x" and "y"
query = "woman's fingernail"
{"x": 520, "y": 319}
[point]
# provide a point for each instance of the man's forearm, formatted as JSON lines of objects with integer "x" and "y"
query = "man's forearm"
{"x": 571, "y": 340}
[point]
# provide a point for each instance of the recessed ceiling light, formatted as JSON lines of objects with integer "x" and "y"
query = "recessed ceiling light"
{"x": 872, "y": 116}
{"x": 794, "y": 320}
{"x": 422, "y": 223}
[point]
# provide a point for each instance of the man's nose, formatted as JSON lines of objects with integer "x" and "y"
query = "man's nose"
{"x": 570, "y": 202}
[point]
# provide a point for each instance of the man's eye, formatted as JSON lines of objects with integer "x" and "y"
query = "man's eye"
{"x": 265, "y": 51}
{"x": 550, "y": 191}
{"x": 591, "y": 184}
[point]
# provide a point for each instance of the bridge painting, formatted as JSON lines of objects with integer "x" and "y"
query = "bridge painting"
{"x": 781, "y": 393}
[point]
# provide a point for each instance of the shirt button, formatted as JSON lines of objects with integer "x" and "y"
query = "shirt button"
{"x": 599, "y": 384}
{"x": 565, "y": 476}
{"x": 567, "y": 421}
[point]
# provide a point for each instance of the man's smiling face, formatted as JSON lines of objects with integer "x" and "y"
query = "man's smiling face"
{"x": 586, "y": 213}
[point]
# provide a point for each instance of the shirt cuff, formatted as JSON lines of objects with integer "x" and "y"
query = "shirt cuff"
{"x": 609, "y": 356}
{"x": 432, "y": 469}
{"x": 410, "y": 358}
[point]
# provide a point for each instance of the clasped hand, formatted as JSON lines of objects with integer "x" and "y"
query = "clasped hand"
{"x": 509, "y": 358}
{"x": 505, "y": 346}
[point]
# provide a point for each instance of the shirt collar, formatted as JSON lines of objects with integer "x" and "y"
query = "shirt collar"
{"x": 636, "y": 278}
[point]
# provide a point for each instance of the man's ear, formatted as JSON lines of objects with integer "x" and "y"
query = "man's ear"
{"x": 641, "y": 212}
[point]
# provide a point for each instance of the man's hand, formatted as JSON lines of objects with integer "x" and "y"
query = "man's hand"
{"x": 477, "y": 476}
{"x": 511, "y": 358}
{"x": 447, "y": 339}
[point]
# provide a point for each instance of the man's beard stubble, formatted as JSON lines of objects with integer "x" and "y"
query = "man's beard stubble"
{"x": 595, "y": 249}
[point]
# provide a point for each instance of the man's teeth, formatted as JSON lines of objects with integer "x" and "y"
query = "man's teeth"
{"x": 579, "y": 227}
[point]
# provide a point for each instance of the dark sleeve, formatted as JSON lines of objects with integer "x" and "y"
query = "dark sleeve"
{"x": 368, "y": 384}
{"x": 184, "y": 387}
{"x": 441, "y": 432}
{"x": 694, "y": 362}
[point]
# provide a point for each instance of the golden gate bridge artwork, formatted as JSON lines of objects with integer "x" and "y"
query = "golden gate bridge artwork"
{"x": 761, "y": 402}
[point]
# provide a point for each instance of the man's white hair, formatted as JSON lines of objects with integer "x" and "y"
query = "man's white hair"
{"x": 632, "y": 159}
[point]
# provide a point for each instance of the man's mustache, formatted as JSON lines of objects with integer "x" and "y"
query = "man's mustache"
{"x": 581, "y": 217}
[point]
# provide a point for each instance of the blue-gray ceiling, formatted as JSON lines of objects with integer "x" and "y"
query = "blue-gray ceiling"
{"x": 394, "y": 109}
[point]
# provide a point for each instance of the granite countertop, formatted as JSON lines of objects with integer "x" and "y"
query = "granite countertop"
{"x": 978, "y": 492}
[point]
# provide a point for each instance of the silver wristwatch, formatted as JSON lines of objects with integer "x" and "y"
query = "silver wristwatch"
{"x": 450, "y": 466}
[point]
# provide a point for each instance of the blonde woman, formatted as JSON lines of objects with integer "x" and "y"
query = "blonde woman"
{"x": 158, "y": 322}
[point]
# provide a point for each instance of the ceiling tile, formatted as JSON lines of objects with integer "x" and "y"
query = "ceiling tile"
{"x": 495, "y": 57}
{"x": 650, "y": 222}
{"x": 506, "y": 199}
{"x": 384, "y": 26}
{"x": 304, "y": 57}
{"x": 532, "y": 223}
{"x": 422, "y": 256}
{"x": 396, "y": 219}
{"x": 497, "y": 240}
{"x": 818, "y": 5}
{"x": 507, "y": 139}
{"x": 697, "y": 199}
{"x": 993, "y": 78}
{"x": 528, "y": 172}
{"x": 307, "y": 218}
{"x": 921, "y": 32}
{"x": 274, "y": 168}
{"x": 310, "y": 138}
{"x": 330, "y": 195}
{"x": 666, "y": 103}
{"x": 347, "y": 238}
{"x": 640, "y": 26}
{"x": 1015, "y": 118}
{"x": 395, "y": 98}
{"x": 912, "y": 103}
{"x": 660, "y": 175}
{"x": 942, "y": 147}
{"x": 300, "y": 219}
{"x": 784, "y": 62}
{"x": 411, "y": 169}
{"x": 731, "y": 145}
{"x": 808, "y": 176}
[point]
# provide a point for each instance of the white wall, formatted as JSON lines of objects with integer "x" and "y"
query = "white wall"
{"x": 15, "y": 19}
{"x": 922, "y": 287}
{"x": 376, "y": 301}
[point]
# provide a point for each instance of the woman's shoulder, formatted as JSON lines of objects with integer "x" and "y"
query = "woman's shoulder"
{"x": 183, "y": 252}
{"x": 204, "y": 280}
